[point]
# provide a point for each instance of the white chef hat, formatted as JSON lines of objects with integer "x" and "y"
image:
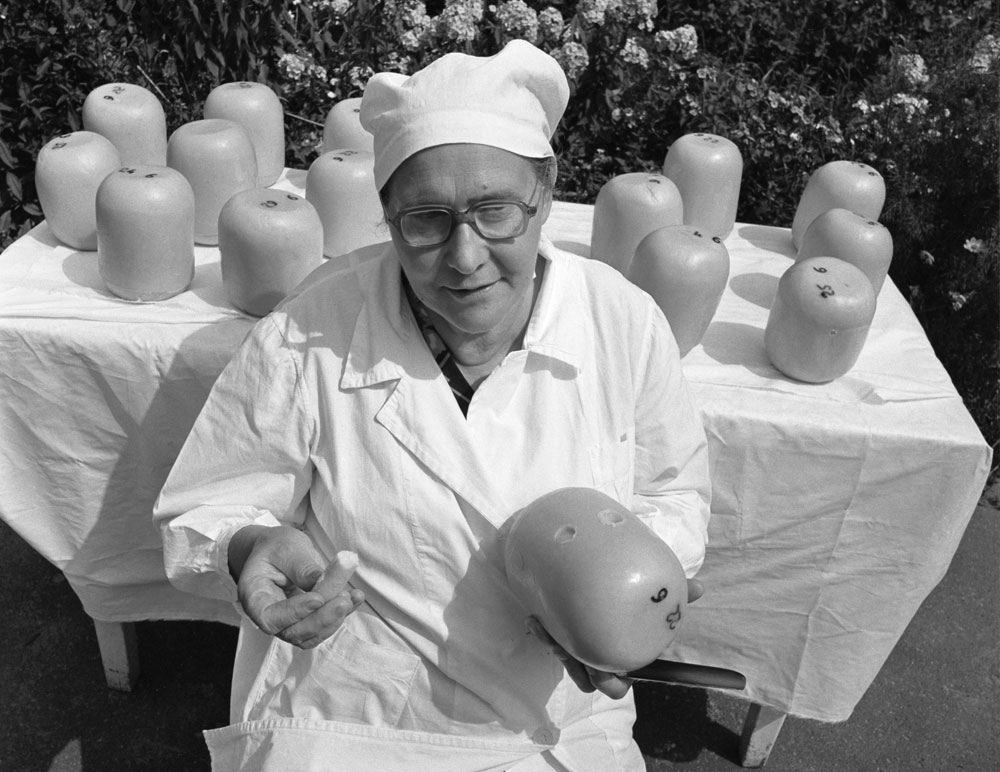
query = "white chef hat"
{"x": 512, "y": 100}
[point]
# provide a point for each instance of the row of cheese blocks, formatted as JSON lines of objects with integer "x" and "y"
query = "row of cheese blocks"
{"x": 666, "y": 231}
{"x": 142, "y": 199}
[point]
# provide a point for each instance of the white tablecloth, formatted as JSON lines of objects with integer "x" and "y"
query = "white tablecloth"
{"x": 837, "y": 508}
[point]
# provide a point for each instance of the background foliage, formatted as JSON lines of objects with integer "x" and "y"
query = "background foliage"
{"x": 908, "y": 86}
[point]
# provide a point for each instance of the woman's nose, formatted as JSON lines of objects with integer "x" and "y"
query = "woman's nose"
{"x": 466, "y": 250}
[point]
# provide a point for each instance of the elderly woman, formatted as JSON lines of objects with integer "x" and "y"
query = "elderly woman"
{"x": 404, "y": 412}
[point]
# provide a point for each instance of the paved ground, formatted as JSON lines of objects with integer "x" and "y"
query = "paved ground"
{"x": 935, "y": 705}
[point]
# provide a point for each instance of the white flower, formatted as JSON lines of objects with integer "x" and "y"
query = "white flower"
{"x": 572, "y": 57}
{"x": 592, "y": 11}
{"x": 292, "y": 66}
{"x": 958, "y": 300}
{"x": 633, "y": 53}
{"x": 986, "y": 54}
{"x": 682, "y": 41}
{"x": 911, "y": 105}
{"x": 550, "y": 22}
{"x": 459, "y": 21}
{"x": 912, "y": 69}
{"x": 975, "y": 246}
{"x": 517, "y": 20}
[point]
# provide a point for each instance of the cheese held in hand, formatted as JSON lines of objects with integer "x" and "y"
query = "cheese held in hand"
{"x": 685, "y": 270}
{"x": 819, "y": 319}
{"x": 269, "y": 241}
{"x": 342, "y": 129}
{"x": 859, "y": 240}
{"x": 145, "y": 227}
{"x": 627, "y": 209}
{"x": 708, "y": 171}
{"x": 848, "y": 185}
{"x": 68, "y": 172}
{"x": 132, "y": 118}
{"x": 604, "y": 586}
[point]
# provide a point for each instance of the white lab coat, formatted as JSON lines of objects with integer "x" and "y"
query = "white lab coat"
{"x": 334, "y": 416}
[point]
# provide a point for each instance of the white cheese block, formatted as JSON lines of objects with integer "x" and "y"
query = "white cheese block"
{"x": 628, "y": 208}
{"x": 861, "y": 241}
{"x": 848, "y": 185}
{"x": 341, "y": 185}
{"x": 68, "y": 171}
{"x": 132, "y": 118}
{"x": 256, "y": 108}
{"x": 685, "y": 270}
{"x": 819, "y": 319}
{"x": 342, "y": 129}
{"x": 708, "y": 171}
{"x": 218, "y": 159}
{"x": 145, "y": 232}
{"x": 269, "y": 241}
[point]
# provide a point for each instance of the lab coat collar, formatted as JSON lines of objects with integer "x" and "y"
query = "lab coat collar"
{"x": 387, "y": 342}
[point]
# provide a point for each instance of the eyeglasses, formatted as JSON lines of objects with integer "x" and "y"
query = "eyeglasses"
{"x": 429, "y": 226}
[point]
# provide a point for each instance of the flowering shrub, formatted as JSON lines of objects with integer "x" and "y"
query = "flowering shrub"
{"x": 908, "y": 87}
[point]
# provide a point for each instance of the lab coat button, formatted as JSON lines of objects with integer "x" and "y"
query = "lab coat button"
{"x": 546, "y": 736}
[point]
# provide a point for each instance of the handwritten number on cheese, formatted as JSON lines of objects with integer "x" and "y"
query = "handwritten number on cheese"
{"x": 659, "y": 595}
{"x": 825, "y": 290}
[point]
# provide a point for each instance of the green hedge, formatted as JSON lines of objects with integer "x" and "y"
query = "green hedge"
{"x": 909, "y": 87}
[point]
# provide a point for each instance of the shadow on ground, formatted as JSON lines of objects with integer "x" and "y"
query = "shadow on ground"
{"x": 934, "y": 705}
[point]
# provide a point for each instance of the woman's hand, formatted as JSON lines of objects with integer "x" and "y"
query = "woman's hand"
{"x": 588, "y": 679}
{"x": 278, "y": 572}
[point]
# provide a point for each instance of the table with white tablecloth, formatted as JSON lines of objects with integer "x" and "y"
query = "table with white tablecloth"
{"x": 836, "y": 508}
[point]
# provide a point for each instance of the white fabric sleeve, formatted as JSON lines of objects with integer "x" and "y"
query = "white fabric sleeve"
{"x": 672, "y": 484}
{"x": 247, "y": 460}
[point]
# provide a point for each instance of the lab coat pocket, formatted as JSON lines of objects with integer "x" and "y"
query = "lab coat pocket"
{"x": 613, "y": 464}
{"x": 346, "y": 678}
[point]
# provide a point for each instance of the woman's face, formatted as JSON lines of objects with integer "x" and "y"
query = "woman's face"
{"x": 472, "y": 285}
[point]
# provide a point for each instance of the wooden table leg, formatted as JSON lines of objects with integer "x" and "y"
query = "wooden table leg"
{"x": 119, "y": 653}
{"x": 760, "y": 732}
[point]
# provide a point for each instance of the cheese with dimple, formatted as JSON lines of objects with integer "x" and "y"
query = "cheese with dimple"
{"x": 132, "y": 118}
{"x": 269, "y": 241}
{"x": 68, "y": 171}
{"x": 839, "y": 184}
{"x": 218, "y": 159}
{"x": 145, "y": 232}
{"x": 628, "y": 208}
{"x": 708, "y": 172}
{"x": 819, "y": 319}
{"x": 603, "y": 585}
{"x": 256, "y": 108}
{"x": 341, "y": 185}
{"x": 342, "y": 129}
{"x": 861, "y": 241}
{"x": 685, "y": 270}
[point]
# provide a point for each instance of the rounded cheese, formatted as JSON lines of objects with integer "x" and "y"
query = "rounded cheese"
{"x": 145, "y": 232}
{"x": 819, "y": 319}
{"x": 132, "y": 118}
{"x": 218, "y": 159}
{"x": 269, "y": 241}
{"x": 628, "y": 207}
{"x": 708, "y": 171}
{"x": 341, "y": 185}
{"x": 686, "y": 271}
{"x": 68, "y": 171}
{"x": 848, "y": 185}
{"x": 342, "y": 129}
{"x": 861, "y": 241}
{"x": 256, "y": 108}
{"x": 603, "y": 585}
